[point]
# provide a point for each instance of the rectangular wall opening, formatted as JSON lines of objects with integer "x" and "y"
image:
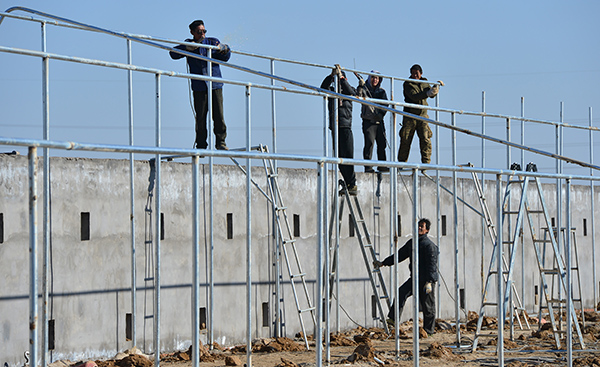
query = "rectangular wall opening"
{"x": 399, "y": 225}
{"x": 128, "y": 326}
{"x": 51, "y": 335}
{"x": 85, "y": 226}
{"x": 1, "y": 227}
{"x": 229, "y": 226}
{"x": 202, "y": 318}
{"x": 584, "y": 227}
{"x": 373, "y": 306}
{"x": 265, "y": 314}
{"x": 296, "y": 225}
{"x": 162, "y": 226}
{"x": 351, "y": 231}
{"x": 444, "y": 232}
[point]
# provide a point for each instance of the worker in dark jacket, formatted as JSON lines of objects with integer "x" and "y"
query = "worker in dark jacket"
{"x": 372, "y": 121}
{"x": 416, "y": 93}
{"x": 428, "y": 276}
{"x": 343, "y": 108}
{"x": 200, "y": 87}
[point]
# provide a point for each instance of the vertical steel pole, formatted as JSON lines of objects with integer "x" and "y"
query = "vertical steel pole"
{"x": 158, "y": 230}
{"x": 569, "y": 297}
{"x": 248, "y": 232}
{"x": 455, "y": 230}
{"x": 437, "y": 193}
{"x": 47, "y": 214}
{"x": 483, "y": 222}
{"x": 595, "y": 283}
{"x": 559, "y": 194}
{"x": 277, "y": 240}
{"x": 327, "y": 245}
{"x": 320, "y": 236}
{"x": 415, "y": 266}
{"x": 33, "y": 258}
{"x": 508, "y": 155}
{"x": 196, "y": 260}
{"x": 211, "y": 145}
{"x": 522, "y": 237}
{"x": 499, "y": 240}
{"x": 132, "y": 199}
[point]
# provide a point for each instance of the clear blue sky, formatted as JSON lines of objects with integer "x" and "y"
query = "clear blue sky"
{"x": 544, "y": 51}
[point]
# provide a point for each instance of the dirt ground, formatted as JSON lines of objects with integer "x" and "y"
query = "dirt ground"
{"x": 373, "y": 347}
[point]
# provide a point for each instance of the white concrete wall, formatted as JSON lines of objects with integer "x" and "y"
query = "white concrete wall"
{"x": 91, "y": 280}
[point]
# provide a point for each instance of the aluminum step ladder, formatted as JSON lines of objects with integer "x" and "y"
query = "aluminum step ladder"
{"x": 553, "y": 271}
{"x": 357, "y": 222}
{"x": 514, "y": 235}
{"x": 285, "y": 233}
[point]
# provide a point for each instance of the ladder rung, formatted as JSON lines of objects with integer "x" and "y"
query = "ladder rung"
{"x": 307, "y": 309}
{"x": 148, "y": 279}
{"x": 367, "y": 245}
{"x": 149, "y": 317}
{"x": 510, "y": 212}
{"x": 490, "y": 304}
{"x": 273, "y": 175}
{"x": 536, "y": 211}
{"x": 285, "y": 242}
{"x": 550, "y": 271}
{"x": 293, "y": 276}
{"x": 542, "y": 241}
{"x": 282, "y": 208}
{"x": 562, "y": 301}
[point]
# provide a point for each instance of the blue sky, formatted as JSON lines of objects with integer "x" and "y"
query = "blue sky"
{"x": 544, "y": 51}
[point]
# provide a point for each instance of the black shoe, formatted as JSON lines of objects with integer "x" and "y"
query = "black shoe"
{"x": 200, "y": 146}
{"x": 353, "y": 190}
{"x": 222, "y": 146}
{"x": 383, "y": 169}
{"x": 369, "y": 169}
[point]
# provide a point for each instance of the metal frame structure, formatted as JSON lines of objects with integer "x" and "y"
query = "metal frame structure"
{"x": 321, "y": 163}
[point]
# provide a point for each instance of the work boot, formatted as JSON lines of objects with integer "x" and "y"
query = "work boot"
{"x": 353, "y": 190}
{"x": 222, "y": 146}
{"x": 383, "y": 169}
{"x": 369, "y": 169}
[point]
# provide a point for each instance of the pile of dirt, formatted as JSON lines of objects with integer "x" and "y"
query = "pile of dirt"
{"x": 337, "y": 340}
{"x": 281, "y": 344}
{"x": 544, "y": 333}
{"x": 508, "y": 344}
{"x": 438, "y": 351}
{"x": 132, "y": 360}
{"x": 487, "y": 322}
{"x": 587, "y": 361}
{"x": 363, "y": 353}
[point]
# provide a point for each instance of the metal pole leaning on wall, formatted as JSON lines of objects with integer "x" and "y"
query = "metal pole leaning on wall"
{"x": 483, "y": 223}
{"x": 132, "y": 200}
{"x": 46, "y": 214}
{"x": 455, "y": 230}
{"x": 570, "y": 311}
{"x": 327, "y": 245}
{"x": 321, "y": 192}
{"x": 522, "y": 237}
{"x": 499, "y": 278}
{"x": 248, "y": 232}
{"x": 196, "y": 262}
{"x": 438, "y": 205}
{"x": 594, "y": 279}
{"x": 158, "y": 229}
{"x": 415, "y": 267}
{"x": 33, "y": 258}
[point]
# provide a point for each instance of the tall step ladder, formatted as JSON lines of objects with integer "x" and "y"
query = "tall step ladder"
{"x": 285, "y": 232}
{"x": 357, "y": 221}
{"x": 514, "y": 230}
{"x": 554, "y": 290}
{"x": 554, "y": 272}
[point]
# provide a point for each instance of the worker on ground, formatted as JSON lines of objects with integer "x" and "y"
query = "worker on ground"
{"x": 200, "y": 87}
{"x": 428, "y": 276}
{"x": 416, "y": 93}
{"x": 372, "y": 121}
{"x": 343, "y": 109}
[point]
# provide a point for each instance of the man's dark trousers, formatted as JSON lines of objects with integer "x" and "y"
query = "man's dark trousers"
{"x": 201, "y": 108}
{"x": 426, "y": 301}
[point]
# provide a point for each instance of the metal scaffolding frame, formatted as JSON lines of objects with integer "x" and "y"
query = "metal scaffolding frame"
{"x": 321, "y": 163}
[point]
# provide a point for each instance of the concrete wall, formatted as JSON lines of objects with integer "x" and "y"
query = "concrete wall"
{"x": 90, "y": 280}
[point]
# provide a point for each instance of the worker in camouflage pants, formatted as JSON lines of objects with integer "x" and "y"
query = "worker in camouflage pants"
{"x": 416, "y": 93}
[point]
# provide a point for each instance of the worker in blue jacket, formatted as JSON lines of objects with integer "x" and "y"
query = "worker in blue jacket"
{"x": 200, "y": 87}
